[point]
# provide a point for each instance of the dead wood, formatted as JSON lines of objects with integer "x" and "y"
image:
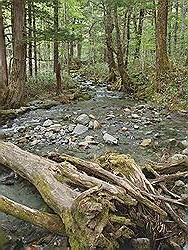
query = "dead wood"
{"x": 97, "y": 204}
{"x": 50, "y": 222}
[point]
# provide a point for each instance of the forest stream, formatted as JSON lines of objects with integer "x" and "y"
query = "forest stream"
{"x": 109, "y": 121}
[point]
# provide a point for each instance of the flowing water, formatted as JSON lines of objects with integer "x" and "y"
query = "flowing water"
{"x": 128, "y": 121}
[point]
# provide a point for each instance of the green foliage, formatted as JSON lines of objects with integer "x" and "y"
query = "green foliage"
{"x": 97, "y": 72}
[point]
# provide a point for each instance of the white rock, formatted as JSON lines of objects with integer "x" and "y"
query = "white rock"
{"x": 55, "y": 127}
{"x": 136, "y": 126}
{"x": 47, "y": 123}
{"x": 92, "y": 116}
{"x": 185, "y": 151}
{"x": 35, "y": 142}
{"x": 179, "y": 183}
{"x": 124, "y": 129}
{"x": 135, "y": 116}
{"x": 80, "y": 129}
{"x": 110, "y": 139}
{"x": 96, "y": 124}
{"x": 91, "y": 125}
{"x": 83, "y": 119}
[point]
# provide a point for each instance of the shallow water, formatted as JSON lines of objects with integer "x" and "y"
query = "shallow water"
{"x": 108, "y": 108}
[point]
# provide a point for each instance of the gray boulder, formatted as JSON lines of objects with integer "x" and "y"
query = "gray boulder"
{"x": 80, "y": 129}
{"x": 83, "y": 119}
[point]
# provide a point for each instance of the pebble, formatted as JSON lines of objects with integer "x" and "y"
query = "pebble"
{"x": 135, "y": 116}
{"x": 83, "y": 119}
{"x": 80, "y": 129}
{"x": 110, "y": 139}
{"x": 136, "y": 126}
{"x": 47, "y": 123}
{"x": 185, "y": 151}
{"x": 145, "y": 142}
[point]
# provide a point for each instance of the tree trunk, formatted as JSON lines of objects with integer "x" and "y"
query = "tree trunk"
{"x": 138, "y": 30}
{"x": 127, "y": 39}
{"x": 35, "y": 40}
{"x": 162, "y": 61}
{"x": 125, "y": 80}
{"x": 3, "y": 62}
{"x": 58, "y": 79}
{"x": 79, "y": 52}
{"x": 56, "y": 27}
{"x": 108, "y": 25}
{"x": 176, "y": 25}
{"x": 18, "y": 71}
{"x": 30, "y": 46}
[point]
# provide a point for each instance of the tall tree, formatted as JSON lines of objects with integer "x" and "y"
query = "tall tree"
{"x": 18, "y": 71}
{"x": 56, "y": 27}
{"x": 3, "y": 61}
{"x": 162, "y": 60}
{"x": 109, "y": 26}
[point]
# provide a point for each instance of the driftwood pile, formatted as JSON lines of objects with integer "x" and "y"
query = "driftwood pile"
{"x": 101, "y": 205}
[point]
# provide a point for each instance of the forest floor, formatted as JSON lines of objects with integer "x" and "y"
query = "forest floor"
{"x": 109, "y": 121}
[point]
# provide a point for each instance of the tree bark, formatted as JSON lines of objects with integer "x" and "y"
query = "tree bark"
{"x": 162, "y": 61}
{"x": 30, "y": 45}
{"x": 125, "y": 80}
{"x": 3, "y": 62}
{"x": 108, "y": 26}
{"x": 138, "y": 30}
{"x": 51, "y": 222}
{"x": 56, "y": 27}
{"x": 18, "y": 71}
{"x": 35, "y": 40}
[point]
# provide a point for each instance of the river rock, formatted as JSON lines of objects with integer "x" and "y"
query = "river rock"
{"x": 71, "y": 127}
{"x": 55, "y": 127}
{"x": 49, "y": 134}
{"x": 146, "y": 142}
{"x": 141, "y": 244}
{"x": 35, "y": 142}
{"x": 2, "y": 134}
{"x": 185, "y": 151}
{"x": 136, "y": 126}
{"x": 83, "y": 119}
{"x": 135, "y": 116}
{"x": 110, "y": 139}
{"x": 80, "y": 129}
{"x": 183, "y": 144}
{"x": 96, "y": 124}
{"x": 47, "y": 123}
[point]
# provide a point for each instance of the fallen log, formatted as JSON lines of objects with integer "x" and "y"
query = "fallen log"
{"x": 97, "y": 207}
{"x": 50, "y": 222}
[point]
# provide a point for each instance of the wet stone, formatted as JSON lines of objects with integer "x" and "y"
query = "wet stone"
{"x": 80, "y": 129}
{"x": 47, "y": 123}
{"x": 110, "y": 139}
{"x": 83, "y": 119}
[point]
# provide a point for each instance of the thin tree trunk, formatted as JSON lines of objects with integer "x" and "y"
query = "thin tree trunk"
{"x": 108, "y": 25}
{"x": 3, "y": 62}
{"x": 30, "y": 46}
{"x": 35, "y": 39}
{"x": 162, "y": 61}
{"x": 128, "y": 40}
{"x": 56, "y": 27}
{"x": 170, "y": 30}
{"x": 121, "y": 66}
{"x": 18, "y": 72}
{"x": 79, "y": 52}
{"x": 139, "y": 29}
{"x": 176, "y": 25}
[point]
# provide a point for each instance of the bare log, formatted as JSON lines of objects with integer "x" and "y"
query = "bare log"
{"x": 50, "y": 222}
